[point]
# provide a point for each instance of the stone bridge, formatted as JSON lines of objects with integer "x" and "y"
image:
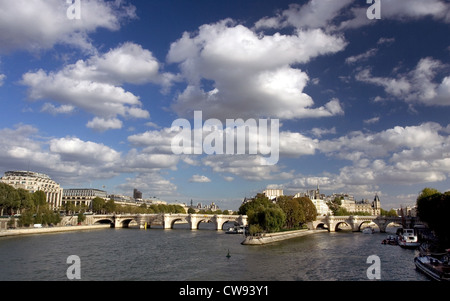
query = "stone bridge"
{"x": 332, "y": 223}
{"x": 166, "y": 220}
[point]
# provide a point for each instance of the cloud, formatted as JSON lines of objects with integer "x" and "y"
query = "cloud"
{"x": 400, "y": 10}
{"x": 74, "y": 149}
{"x": 102, "y": 124}
{"x": 344, "y": 15}
{"x": 245, "y": 166}
{"x": 98, "y": 98}
{"x": 152, "y": 184}
{"x": 400, "y": 155}
{"x": 199, "y": 179}
{"x": 127, "y": 63}
{"x": 361, "y": 57}
{"x": 52, "y": 109}
{"x": 2, "y": 78}
{"x": 372, "y": 120}
{"x": 358, "y": 145}
{"x": 41, "y": 24}
{"x": 142, "y": 161}
{"x": 319, "y": 132}
{"x": 415, "y": 87}
{"x": 94, "y": 85}
{"x": 314, "y": 14}
{"x": 73, "y": 161}
{"x": 233, "y": 72}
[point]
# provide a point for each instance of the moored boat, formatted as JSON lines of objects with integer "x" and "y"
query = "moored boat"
{"x": 433, "y": 267}
{"x": 235, "y": 230}
{"x": 408, "y": 239}
{"x": 428, "y": 249}
{"x": 390, "y": 240}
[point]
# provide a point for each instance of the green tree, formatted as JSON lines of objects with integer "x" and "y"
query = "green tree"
{"x": 26, "y": 218}
{"x": 98, "y": 205}
{"x": 110, "y": 206}
{"x": 9, "y": 199}
{"x": 39, "y": 199}
{"x": 260, "y": 200}
{"x": 271, "y": 219}
{"x": 391, "y": 212}
{"x": 427, "y": 192}
{"x": 26, "y": 199}
{"x": 81, "y": 217}
{"x": 262, "y": 212}
{"x": 308, "y": 208}
{"x": 433, "y": 208}
{"x": 292, "y": 209}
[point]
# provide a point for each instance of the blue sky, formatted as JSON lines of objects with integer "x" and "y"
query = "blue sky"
{"x": 363, "y": 103}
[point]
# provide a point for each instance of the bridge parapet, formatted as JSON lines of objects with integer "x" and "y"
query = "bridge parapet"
{"x": 195, "y": 219}
{"x": 355, "y": 221}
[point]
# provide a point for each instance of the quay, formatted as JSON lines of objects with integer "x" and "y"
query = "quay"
{"x": 268, "y": 238}
{"x": 32, "y": 231}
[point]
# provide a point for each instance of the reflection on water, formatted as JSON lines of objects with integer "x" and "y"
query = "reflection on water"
{"x": 182, "y": 254}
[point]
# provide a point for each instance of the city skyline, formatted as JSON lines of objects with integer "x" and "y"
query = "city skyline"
{"x": 89, "y": 91}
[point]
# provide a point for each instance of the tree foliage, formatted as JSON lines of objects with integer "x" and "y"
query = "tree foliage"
{"x": 287, "y": 213}
{"x": 263, "y": 215}
{"x": 293, "y": 211}
{"x": 308, "y": 208}
{"x": 433, "y": 208}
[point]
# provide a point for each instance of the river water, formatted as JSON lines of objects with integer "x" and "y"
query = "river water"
{"x": 184, "y": 255}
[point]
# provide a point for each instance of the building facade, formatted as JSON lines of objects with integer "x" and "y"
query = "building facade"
{"x": 34, "y": 181}
{"x": 317, "y": 199}
{"x": 272, "y": 194}
{"x": 348, "y": 202}
{"x": 82, "y": 196}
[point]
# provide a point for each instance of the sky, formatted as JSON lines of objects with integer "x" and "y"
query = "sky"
{"x": 90, "y": 89}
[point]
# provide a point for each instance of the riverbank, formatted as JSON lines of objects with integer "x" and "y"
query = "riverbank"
{"x": 32, "y": 231}
{"x": 268, "y": 238}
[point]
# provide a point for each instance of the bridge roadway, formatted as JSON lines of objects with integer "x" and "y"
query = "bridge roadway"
{"x": 355, "y": 222}
{"x": 167, "y": 220}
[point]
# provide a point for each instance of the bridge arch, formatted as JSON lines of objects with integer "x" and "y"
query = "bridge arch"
{"x": 125, "y": 223}
{"x": 104, "y": 221}
{"x": 320, "y": 226}
{"x": 173, "y": 221}
{"x": 360, "y": 226}
{"x": 337, "y": 228}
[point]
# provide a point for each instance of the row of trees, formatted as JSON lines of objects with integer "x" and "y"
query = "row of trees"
{"x": 287, "y": 213}
{"x": 31, "y": 208}
{"x": 101, "y": 206}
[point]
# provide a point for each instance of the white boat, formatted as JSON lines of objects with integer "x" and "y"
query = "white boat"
{"x": 408, "y": 239}
{"x": 433, "y": 267}
{"x": 235, "y": 230}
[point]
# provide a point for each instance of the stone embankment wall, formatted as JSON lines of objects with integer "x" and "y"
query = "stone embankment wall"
{"x": 267, "y": 238}
{"x": 30, "y": 231}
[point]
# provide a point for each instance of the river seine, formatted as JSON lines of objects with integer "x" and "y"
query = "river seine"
{"x": 184, "y": 255}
